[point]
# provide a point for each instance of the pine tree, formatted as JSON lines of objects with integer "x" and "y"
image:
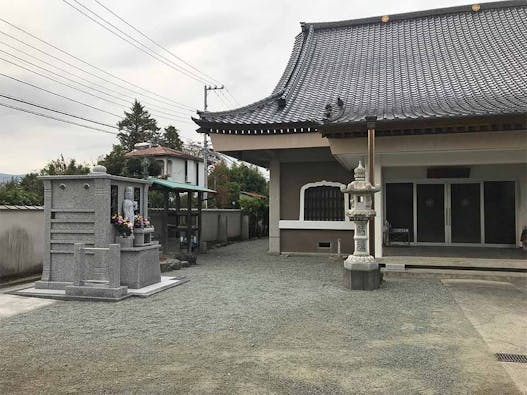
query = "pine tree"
{"x": 171, "y": 138}
{"x": 137, "y": 127}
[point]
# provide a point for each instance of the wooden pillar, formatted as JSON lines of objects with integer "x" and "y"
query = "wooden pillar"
{"x": 200, "y": 206}
{"x": 165, "y": 220}
{"x": 189, "y": 221}
{"x": 178, "y": 212}
{"x": 370, "y": 123}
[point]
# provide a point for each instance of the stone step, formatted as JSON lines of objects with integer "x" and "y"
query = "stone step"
{"x": 519, "y": 278}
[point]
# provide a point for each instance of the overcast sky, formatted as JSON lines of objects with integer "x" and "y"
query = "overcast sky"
{"x": 243, "y": 43}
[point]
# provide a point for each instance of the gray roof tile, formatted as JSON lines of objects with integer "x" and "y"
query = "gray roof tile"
{"x": 451, "y": 62}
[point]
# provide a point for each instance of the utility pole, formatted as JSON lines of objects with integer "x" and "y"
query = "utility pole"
{"x": 206, "y": 89}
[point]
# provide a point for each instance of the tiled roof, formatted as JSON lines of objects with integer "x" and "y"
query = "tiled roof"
{"x": 161, "y": 151}
{"x": 446, "y": 63}
{"x": 16, "y": 207}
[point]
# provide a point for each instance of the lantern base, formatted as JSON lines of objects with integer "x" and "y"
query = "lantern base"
{"x": 362, "y": 274}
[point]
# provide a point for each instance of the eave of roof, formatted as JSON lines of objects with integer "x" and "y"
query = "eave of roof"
{"x": 179, "y": 185}
{"x": 160, "y": 151}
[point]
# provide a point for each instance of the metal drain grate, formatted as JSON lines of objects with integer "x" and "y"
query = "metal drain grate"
{"x": 518, "y": 358}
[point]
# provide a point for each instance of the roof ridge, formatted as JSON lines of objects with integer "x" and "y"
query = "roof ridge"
{"x": 415, "y": 14}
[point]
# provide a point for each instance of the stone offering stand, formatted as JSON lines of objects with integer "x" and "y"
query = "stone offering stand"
{"x": 82, "y": 254}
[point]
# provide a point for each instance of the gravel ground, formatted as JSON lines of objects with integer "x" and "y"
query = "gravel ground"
{"x": 248, "y": 322}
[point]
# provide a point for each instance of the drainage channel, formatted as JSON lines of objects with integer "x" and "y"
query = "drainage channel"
{"x": 518, "y": 358}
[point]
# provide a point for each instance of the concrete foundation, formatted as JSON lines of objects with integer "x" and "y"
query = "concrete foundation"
{"x": 364, "y": 280}
{"x": 140, "y": 266}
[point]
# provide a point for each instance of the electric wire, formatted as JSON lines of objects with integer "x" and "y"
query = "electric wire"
{"x": 130, "y": 41}
{"x": 157, "y": 44}
{"x": 153, "y": 106}
{"x": 86, "y": 71}
{"x": 56, "y": 118}
{"x": 174, "y": 116}
{"x": 57, "y": 111}
{"x": 231, "y": 95}
{"x": 221, "y": 99}
{"x": 59, "y": 95}
{"x": 93, "y": 66}
{"x": 226, "y": 97}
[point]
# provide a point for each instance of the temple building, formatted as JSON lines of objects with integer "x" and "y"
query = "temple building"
{"x": 445, "y": 95}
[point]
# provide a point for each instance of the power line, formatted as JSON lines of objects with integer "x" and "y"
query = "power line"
{"x": 57, "y": 111}
{"x": 222, "y": 100}
{"x": 56, "y": 118}
{"x": 93, "y": 66}
{"x": 229, "y": 100}
{"x": 85, "y": 92}
{"x": 156, "y": 43}
{"x": 148, "y": 51}
{"x": 231, "y": 95}
{"x": 174, "y": 116}
{"x": 86, "y": 80}
{"x": 59, "y": 95}
{"x": 83, "y": 70}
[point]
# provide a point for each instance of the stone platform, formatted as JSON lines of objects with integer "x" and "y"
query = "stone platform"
{"x": 60, "y": 294}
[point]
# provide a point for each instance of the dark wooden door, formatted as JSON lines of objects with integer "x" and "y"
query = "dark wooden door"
{"x": 431, "y": 213}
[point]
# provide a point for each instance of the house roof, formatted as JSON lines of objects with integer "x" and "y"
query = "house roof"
{"x": 179, "y": 185}
{"x": 446, "y": 63}
{"x": 161, "y": 151}
{"x": 253, "y": 195}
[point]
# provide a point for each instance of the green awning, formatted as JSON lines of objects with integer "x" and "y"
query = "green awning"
{"x": 179, "y": 185}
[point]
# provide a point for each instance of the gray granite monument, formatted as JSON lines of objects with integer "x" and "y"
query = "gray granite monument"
{"x": 83, "y": 254}
{"x": 361, "y": 271}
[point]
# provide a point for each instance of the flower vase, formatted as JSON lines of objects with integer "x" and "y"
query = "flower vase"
{"x": 125, "y": 241}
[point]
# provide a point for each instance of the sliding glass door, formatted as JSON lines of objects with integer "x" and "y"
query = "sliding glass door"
{"x": 454, "y": 212}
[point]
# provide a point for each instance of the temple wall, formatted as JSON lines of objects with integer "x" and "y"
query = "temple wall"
{"x": 295, "y": 175}
{"x": 21, "y": 240}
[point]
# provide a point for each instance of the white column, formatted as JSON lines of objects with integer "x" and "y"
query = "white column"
{"x": 379, "y": 209}
{"x": 274, "y": 206}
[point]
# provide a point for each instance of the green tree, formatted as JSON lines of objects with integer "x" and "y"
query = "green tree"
{"x": 249, "y": 178}
{"x": 134, "y": 167}
{"x": 115, "y": 161}
{"x": 137, "y": 127}
{"x": 227, "y": 191}
{"x": 171, "y": 138}
{"x": 29, "y": 189}
{"x": 62, "y": 167}
{"x": 12, "y": 193}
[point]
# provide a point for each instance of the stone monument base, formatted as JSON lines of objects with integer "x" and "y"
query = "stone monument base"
{"x": 140, "y": 266}
{"x": 365, "y": 276}
{"x": 96, "y": 291}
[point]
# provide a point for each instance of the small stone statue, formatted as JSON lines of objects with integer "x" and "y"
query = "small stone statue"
{"x": 128, "y": 204}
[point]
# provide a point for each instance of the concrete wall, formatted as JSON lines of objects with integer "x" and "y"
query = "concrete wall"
{"x": 210, "y": 224}
{"x": 21, "y": 240}
{"x": 308, "y": 240}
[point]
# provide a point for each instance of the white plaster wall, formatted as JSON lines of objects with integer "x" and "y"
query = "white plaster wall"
{"x": 201, "y": 175}
{"x": 21, "y": 242}
{"x": 178, "y": 170}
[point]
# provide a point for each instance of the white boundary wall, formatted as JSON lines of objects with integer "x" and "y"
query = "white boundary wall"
{"x": 21, "y": 240}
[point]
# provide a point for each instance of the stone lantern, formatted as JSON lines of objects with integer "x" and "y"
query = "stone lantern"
{"x": 360, "y": 269}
